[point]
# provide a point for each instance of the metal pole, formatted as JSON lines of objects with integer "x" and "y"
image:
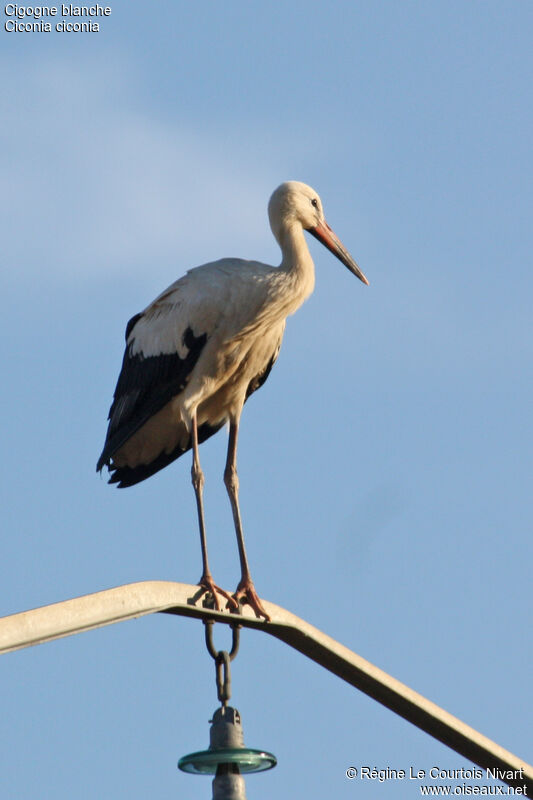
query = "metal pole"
{"x": 148, "y": 597}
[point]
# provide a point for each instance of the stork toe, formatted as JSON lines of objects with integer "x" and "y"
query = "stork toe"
{"x": 208, "y": 586}
{"x": 246, "y": 593}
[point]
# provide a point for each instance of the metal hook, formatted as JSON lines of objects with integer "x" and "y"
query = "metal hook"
{"x": 235, "y": 640}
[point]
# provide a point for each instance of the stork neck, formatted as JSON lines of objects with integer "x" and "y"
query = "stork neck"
{"x": 296, "y": 261}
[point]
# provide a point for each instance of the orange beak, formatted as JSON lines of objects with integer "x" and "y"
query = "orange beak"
{"x": 324, "y": 234}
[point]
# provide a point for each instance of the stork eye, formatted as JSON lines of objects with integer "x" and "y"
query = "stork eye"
{"x": 314, "y": 202}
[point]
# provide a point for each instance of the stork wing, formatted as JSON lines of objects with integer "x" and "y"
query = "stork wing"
{"x": 160, "y": 355}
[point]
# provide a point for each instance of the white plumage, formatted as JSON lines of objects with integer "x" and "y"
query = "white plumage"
{"x": 198, "y": 351}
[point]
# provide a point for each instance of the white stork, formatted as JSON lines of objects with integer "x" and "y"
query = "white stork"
{"x": 195, "y": 355}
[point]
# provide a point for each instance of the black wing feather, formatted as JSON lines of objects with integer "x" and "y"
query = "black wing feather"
{"x": 144, "y": 386}
{"x": 259, "y": 380}
{"x": 131, "y": 324}
{"x": 129, "y": 476}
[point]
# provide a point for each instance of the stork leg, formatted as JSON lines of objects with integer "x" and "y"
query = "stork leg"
{"x": 246, "y": 588}
{"x": 198, "y": 480}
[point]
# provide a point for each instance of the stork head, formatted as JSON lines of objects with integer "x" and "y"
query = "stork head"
{"x": 296, "y": 202}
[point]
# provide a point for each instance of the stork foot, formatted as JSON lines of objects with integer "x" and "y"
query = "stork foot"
{"x": 246, "y": 593}
{"x": 208, "y": 586}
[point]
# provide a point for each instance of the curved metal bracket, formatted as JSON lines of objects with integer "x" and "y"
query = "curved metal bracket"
{"x": 148, "y": 597}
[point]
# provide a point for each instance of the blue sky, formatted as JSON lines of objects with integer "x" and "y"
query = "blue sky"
{"x": 385, "y": 465}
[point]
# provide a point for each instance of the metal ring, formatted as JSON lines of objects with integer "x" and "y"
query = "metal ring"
{"x": 223, "y": 677}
